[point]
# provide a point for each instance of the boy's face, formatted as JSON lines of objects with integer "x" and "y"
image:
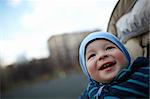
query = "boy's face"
{"x": 104, "y": 60}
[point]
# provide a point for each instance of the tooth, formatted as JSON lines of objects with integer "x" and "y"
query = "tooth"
{"x": 107, "y": 65}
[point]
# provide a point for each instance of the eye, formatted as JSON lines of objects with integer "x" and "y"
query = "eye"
{"x": 90, "y": 56}
{"x": 110, "y": 48}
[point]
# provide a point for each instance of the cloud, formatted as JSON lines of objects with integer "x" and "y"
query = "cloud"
{"x": 31, "y": 46}
{"x": 14, "y": 3}
{"x": 9, "y": 51}
{"x": 66, "y": 15}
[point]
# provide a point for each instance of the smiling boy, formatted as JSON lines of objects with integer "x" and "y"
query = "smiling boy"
{"x": 110, "y": 70}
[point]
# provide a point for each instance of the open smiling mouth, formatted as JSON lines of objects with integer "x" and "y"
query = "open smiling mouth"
{"x": 107, "y": 65}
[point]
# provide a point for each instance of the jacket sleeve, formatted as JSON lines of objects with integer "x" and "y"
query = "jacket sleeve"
{"x": 136, "y": 86}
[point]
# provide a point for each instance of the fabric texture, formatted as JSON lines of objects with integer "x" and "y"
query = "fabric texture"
{"x": 135, "y": 22}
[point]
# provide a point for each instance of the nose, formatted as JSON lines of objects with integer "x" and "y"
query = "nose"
{"x": 102, "y": 56}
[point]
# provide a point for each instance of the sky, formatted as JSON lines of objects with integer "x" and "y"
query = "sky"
{"x": 26, "y": 25}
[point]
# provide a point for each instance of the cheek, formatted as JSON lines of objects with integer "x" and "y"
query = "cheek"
{"x": 90, "y": 67}
{"x": 121, "y": 58}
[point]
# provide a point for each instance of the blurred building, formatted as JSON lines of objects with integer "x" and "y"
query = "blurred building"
{"x": 64, "y": 50}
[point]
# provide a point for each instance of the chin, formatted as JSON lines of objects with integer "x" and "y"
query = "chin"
{"x": 107, "y": 80}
